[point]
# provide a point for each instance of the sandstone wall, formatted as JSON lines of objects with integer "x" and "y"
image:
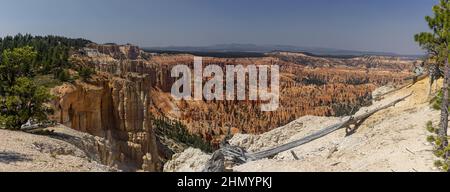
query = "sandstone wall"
{"x": 114, "y": 109}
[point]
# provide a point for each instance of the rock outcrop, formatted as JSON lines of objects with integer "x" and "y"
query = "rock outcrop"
{"x": 114, "y": 109}
{"x": 65, "y": 150}
{"x": 190, "y": 160}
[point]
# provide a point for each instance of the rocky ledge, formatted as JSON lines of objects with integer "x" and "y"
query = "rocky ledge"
{"x": 65, "y": 150}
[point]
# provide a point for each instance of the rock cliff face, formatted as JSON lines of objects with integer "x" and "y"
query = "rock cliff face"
{"x": 131, "y": 87}
{"x": 114, "y": 109}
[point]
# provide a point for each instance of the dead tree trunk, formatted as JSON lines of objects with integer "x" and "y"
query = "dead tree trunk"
{"x": 444, "y": 109}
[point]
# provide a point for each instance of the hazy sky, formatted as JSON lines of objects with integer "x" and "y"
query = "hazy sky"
{"x": 369, "y": 25}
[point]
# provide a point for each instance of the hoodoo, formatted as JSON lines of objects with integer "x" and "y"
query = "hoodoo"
{"x": 213, "y": 89}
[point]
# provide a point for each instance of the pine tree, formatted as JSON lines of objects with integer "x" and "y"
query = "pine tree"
{"x": 437, "y": 45}
{"x": 20, "y": 98}
{"x": 16, "y": 63}
{"x": 53, "y": 51}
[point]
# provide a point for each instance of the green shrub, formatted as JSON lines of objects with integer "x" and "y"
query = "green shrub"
{"x": 436, "y": 102}
{"x": 431, "y": 139}
{"x": 63, "y": 75}
{"x": 439, "y": 153}
{"x": 438, "y": 163}
{"x": 85, "y": 73}
{"x": 447, "y": 149}
{"x": 445, "y": 167}
{"x": 438, "y": 142}
{"x": 430, "y": 127}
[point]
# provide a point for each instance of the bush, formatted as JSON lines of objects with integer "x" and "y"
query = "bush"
{"x": 442, "y": 165}
{"x": 438, "y": 142}
{"x": 430, "y": 127}
{"x": 63, "y": 75}
{"x": 445, "y": 167}
{"x": 436, "y": 102}
{"x": 85, "y": 73}
{"x": 439, "y": 150}
{"x": 431, "y": 139}
{"x": 439, "y": 153}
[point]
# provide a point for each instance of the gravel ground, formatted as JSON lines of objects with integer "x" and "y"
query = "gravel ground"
{"x": 23, "y": 152}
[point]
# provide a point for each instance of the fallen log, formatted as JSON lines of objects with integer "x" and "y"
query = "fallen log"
{"x": 238, "y": 155}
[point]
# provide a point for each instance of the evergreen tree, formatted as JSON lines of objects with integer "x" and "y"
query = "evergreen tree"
{"x": 53, "y": 51}
{"x": 20, "y": 98}
{"x": 16, "y": 63}
{"x": 437, "y": 45}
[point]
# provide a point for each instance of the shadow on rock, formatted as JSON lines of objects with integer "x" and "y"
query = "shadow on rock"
{"x": 11, "y": 157}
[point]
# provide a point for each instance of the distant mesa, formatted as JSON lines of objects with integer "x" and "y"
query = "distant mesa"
{"x": 259, "y": 49}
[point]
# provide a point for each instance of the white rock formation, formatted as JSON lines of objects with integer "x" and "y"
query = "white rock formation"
{"x": 190, "y": 160}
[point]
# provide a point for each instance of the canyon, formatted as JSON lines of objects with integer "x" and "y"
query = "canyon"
{"x": 131, "y": 89}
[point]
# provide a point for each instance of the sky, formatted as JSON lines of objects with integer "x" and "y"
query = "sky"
{"x": 363, "y": 25}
